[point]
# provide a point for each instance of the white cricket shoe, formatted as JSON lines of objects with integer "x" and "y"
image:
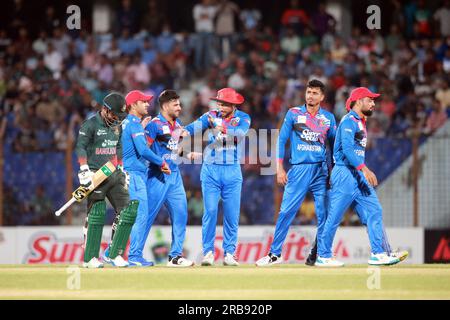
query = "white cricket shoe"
{"x": 208, "y": 259}
{"x": 382, "y": 259}
{"x": 328, "y": 262}
{"x": 401, "y": 255}
{"x": 94, "y": 263}
{"x": 119, "y": 262}
{"x": 230, "y": 260}
{"x": 269, "y": 260}
{"x": 179, "y": 262}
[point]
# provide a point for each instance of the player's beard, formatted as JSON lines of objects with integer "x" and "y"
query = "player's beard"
{"x": 367, "y": 113}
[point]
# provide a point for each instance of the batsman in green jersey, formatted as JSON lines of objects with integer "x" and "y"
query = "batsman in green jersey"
{"x": 99, "y": 142}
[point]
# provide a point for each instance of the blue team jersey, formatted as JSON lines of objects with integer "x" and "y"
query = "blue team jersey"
{"x": 164, "y": 138}
{"x": 227, "y": 147}
{"x": 351, "y": 140}
{"x": 308, "y": 134}
{"x": 136, "y": 153}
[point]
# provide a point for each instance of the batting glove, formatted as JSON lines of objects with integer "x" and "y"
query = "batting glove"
{"x": 126, "y": 175}
{"x": 85, "y": 175}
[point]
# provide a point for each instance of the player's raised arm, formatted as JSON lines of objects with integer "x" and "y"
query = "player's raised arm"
{"x": 199, "y": 125}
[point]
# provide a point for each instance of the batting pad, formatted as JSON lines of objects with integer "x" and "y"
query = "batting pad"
{"x": 126, "y": 221}
{"x": 96, "y": 221}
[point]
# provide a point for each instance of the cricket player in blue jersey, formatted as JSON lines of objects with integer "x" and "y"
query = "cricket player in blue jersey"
{"x": 163, "y": 134}
{"x": 136, "y": 155}
{"x": 221, "y": 175}
{"x": 352, "y": 181}
{"x": 309, "y": 127}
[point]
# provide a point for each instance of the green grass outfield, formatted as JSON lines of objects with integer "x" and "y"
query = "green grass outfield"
{"x": 244, "y": 282}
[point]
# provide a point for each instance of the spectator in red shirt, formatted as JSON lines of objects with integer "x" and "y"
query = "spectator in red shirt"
{"x": 295, "y": 17}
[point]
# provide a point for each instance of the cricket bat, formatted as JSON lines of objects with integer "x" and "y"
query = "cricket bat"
{"x": 82, "y": 192}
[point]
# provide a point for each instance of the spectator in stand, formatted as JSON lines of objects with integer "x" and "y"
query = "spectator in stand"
{"x": 227, "y": 14}
{"x": 250, "y": 17}
{"x": 42, "y": 207}
{"x": 153, "y": 19}
{"x": 443, "y": 95}
{"x": 148, "y": 52}
{"x": 165, "y": 42}
{"x": 323, "y": 21}
{"x": 442, "y": 18}
{"x": 290, "y": 42}
{"x": 126, "y": 43}
{"x": 204, "y": 14}
{"x": 295, "y": 17}
{"x": 53, "y": 61}
{"x": 127, "y": 17}
{"x": 422, "y": 19}
{"x": 438, "y": 117}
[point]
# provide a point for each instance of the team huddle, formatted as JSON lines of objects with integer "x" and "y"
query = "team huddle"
{"x": 146, "y": 154}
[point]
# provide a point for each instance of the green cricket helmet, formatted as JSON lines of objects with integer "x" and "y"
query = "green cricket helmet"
{"x": 116, "y": 103}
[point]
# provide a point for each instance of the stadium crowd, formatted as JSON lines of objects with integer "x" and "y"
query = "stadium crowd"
{"x": 50, "y": 83}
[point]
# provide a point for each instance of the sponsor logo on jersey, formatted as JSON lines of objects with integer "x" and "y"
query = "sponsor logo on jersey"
{"x": 172, "y": 144}
{"x": 324, "y": 121}
{"x": 166, "y": 130}
{"x": 235, "y": 121}
{"x": 360, "y": 153}
{"x": 363, "y": 142}
{"x": 309, "y": 135}
{"x": 109, "y": 143}
{"x": 101, "y": 132}
{"x": 306, "y": 147}
{"x": 301, "y": 119}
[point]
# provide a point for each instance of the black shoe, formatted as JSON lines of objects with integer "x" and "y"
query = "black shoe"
{"x": 311, "y": 260}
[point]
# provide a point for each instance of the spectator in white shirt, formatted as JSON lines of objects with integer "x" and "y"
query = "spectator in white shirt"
{"x": 204, "y": 14}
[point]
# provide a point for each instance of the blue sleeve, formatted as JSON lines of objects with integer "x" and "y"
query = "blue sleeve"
{"x": 331, "y": 135}
{"x": 151, "y": 131}
{"x": 241, "y": 129}
{"x": 198, "y": 125}
{"x": 285, "y": 132}
{"x": 347, "y": 132}
{"x": 139, "y": 141}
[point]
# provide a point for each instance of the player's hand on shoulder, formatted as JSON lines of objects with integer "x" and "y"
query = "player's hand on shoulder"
{"x": 85, "y": 175}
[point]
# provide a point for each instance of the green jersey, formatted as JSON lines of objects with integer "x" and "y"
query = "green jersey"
{"x": 97, "y": 143}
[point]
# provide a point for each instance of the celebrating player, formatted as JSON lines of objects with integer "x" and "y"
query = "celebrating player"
{"x": 136, "y": 153}
{"x": 99, "y": 142}
{"x": 352, "y": 181}
{"x": 308, "y": 127}
{"x": 221, "y": 175}
{"x": 163, "y": 134}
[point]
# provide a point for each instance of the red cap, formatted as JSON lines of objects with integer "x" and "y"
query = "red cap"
{"x": 229, "y": 95}
{"x": 136, "y": 95}
{"x": 359, "y": 93}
